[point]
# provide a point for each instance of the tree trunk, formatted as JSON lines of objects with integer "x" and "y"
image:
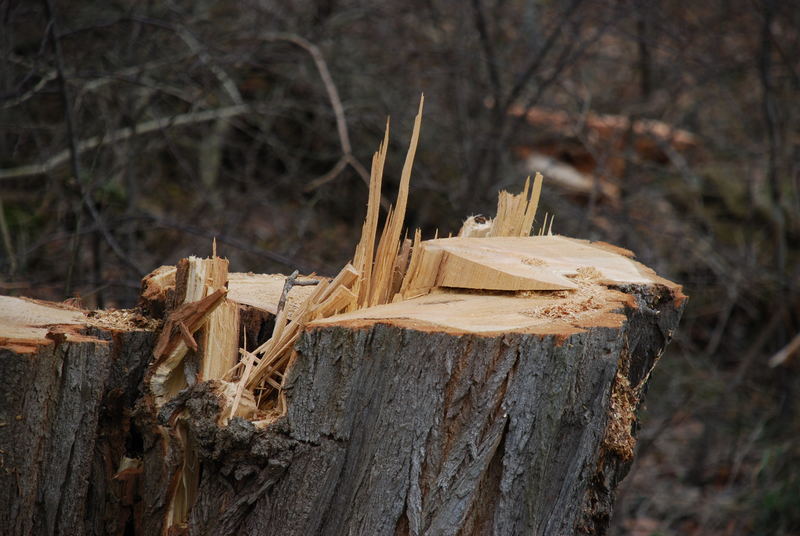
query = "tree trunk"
{"x": 394, "y": 426}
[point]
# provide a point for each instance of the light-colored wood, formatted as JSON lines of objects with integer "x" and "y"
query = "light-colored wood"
{"x": 261, "y": 291}
{"x": 365, "y": 251}
{"x": 448, "y": 310}
{"x": 515, "y": 263}
{"x": 220, "y": 341}
{"x": 389, "y": 245}
{"x": 476, "y": 227}
{"x": 515, "y": 214}
{"x": 25, "y": 324}
{"x": 169, "y": 376}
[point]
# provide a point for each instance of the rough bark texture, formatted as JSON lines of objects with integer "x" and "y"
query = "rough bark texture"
{"x": 64, "y": 426}
{"x": 390, "y": 430}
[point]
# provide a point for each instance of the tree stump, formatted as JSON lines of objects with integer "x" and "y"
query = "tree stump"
{"x": 481, "y": 384}
{"x": 401, "y": 418}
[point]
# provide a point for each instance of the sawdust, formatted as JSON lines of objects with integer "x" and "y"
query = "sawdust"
{"x": 588, "y": 273}
{"x": 572, "y": 304}
{"x": 622, "y": 414}
{"x": 122, "y": 319}
{"x": 533, "y": 261}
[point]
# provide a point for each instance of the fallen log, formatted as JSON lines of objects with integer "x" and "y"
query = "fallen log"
{"x": 480, "y": 384}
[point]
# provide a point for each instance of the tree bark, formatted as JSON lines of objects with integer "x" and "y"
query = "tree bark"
{"x": 392, "y": 428}
{"x": 65, "y": 401}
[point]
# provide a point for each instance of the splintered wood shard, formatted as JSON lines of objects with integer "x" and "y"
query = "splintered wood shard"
{"x": 216, "y": 320}
{"x": 365, "y": 251}
{"x": 171, "y": 348}
{"x": 515, "y": 214}
{"x": 373, "y": 278}
{"x": 381, "y": 285}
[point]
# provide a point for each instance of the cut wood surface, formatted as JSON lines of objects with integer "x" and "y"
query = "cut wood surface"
{"x": 25, "y": 324}
{"x": 518, "y": 263}
{"x": 262, "y": 291}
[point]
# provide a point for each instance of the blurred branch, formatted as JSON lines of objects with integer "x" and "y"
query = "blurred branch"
{"x": 200, "y": 50}
{"x": 785, "y": 352}
{"x": 769, "y": 109}
{"x": 243, "y": 245}
{"x": 329, "y": 176}
{"x": 7, "y": 245}
{"x": 765, "y": 334}
{"x": 327, "y": 81}
{"x": 122, "y": 134}
{"x": 12, "y": 100}
{"x": 227, "y": 83}
{"x": 191, "y": 42}
{"x": 123, "y": 74}
{"x": 338, "y": 112}
{"x": 72, "y": 151}
{"x": 488, "y": 49}
{"x": 538, "y": 59}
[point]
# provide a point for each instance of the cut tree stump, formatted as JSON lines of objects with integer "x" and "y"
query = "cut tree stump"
{"x": 482, "y": 384}
{"x": 452, "y": 413}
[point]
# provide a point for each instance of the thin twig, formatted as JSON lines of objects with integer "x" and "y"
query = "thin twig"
{"x": 786, "y": 352}
{"x": 72, "y": 151}
{"x": 291, "y": 281}
{"x": 329, "y": 176}
{"x": 338, "y": 112}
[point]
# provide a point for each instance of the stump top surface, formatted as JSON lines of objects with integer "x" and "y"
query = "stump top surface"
{"x": 453, "y": 311}
{"x": 264, "y": 291}
{"x": 546, "y": 285}
{"x": 24, "y": 324}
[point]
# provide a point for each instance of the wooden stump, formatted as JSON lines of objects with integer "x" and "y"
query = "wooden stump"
{"x": 481, "y": 384}
{"x": 396, "y": 427}
{"x": 400, "y": 419}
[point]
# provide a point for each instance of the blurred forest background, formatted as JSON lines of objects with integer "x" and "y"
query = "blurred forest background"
{"x": 132, "y": 132}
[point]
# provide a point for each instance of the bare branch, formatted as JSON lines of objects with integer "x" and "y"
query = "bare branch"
{"x": 538, "y": 59}
{"x": 329, "y": 176}
{"x": 122, "y": 134}
{"x": 291, "y": 281}
{"x": 338, "y": 112}
{"x": 343, "y": 162}
{"x": 488, "y": 49}
{"x": 22, "y": 97}
{"x": 327, "y": 81}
